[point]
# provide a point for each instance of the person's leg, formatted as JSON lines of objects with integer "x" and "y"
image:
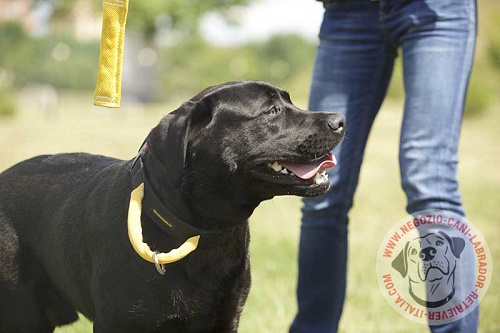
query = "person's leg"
{"x": 352, "y": 71}
{"x": 438, "y": 53}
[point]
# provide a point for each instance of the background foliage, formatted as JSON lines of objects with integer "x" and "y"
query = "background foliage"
{"x": 187, "y": 63}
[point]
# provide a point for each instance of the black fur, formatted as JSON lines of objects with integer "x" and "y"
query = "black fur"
{"x": 63, "y": 232}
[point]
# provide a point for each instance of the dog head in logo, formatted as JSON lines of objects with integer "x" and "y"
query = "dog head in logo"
{"x": 429, "y": 264}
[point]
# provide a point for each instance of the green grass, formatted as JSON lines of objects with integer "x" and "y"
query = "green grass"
{"x": 379, "y": 204}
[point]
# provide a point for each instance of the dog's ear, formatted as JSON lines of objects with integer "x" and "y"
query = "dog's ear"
{"x": 457, "y": 244}
{"x": 400, "y": 263}
{"x": 168, "y": 142}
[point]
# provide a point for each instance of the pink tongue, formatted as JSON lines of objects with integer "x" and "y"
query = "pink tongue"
{"x": 307, "y": 171}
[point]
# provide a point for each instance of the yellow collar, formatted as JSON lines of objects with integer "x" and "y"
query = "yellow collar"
{"x": 135, "y": 235}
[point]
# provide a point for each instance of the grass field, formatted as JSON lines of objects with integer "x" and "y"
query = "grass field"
{"x": 379, "y": 204}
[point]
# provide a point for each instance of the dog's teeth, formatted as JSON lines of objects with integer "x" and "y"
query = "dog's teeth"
{"x": 276, "y": 167}
{"x": 317, "y": 178}
{"x": 284, "y": 171}
{"x": 320, "y": 178}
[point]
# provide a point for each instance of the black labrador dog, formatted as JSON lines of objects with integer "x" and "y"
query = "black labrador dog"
{"x": 65, "y": 245}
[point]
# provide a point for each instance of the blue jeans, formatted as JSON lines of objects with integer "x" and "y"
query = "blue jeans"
{"x": 359, "y": 40}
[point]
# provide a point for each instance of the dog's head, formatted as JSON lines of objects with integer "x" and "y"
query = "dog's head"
{"x": 429, "y": 262}
{"x": 240, "y": 143}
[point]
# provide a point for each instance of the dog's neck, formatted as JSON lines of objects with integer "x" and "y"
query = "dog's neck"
{"x": 194, "y": 197}
{"x": 165, "y": 209}
{"x": 169, "y": 194}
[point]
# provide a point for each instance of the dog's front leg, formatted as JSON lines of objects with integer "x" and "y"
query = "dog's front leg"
{"x": 230, "y": 312}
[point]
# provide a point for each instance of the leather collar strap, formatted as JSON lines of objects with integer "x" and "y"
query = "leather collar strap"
{"x": 163, "y": 217}
{"x": 134, "y": 228}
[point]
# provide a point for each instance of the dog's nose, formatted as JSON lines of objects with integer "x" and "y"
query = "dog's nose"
{"x": 427, "y": 254}
{"x": 336, "y": 123}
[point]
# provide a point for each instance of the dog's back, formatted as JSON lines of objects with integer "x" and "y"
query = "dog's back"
{"x": 36, "y": 197}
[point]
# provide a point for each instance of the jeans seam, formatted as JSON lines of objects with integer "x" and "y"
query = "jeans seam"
{"x": 464, "y": 79}
{"x": 374, "y": 87}
{"x": 386, "y": 34}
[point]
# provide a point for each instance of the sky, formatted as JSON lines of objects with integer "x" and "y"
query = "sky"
{"x": 263, "y": 18}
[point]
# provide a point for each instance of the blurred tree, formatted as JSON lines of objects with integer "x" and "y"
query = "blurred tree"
{"x": 282, "y": 60}
{"x": 12, "y": 33}
{"x": 149, "y": 17}
{"x": 182, "y": 15}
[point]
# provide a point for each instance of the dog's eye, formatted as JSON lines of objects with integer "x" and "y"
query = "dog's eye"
{"x": 439, "y": 243}
{"x": 413, "y": 252}
{"x": 274, "y": 110}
